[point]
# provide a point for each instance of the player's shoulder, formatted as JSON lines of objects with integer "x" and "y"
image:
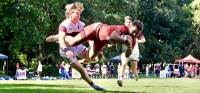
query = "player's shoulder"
{"x": 81, "y": 23}
{"x": 64, "y": 23}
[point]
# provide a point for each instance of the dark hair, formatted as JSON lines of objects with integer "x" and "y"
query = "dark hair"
{"x": 138, "y": 24}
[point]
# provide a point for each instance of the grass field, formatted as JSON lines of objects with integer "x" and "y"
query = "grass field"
{"x": 144, "y": 85}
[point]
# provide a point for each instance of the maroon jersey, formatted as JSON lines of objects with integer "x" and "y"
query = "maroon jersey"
{"x": 103, "y": 32}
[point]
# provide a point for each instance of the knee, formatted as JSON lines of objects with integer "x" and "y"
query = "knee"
{"x": 134, "y": 71}
{"x": 124, "y": 65}
{"x": 95, "y": 59}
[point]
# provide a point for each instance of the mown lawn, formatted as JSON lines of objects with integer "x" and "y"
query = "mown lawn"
{"x": 144, "y": 85}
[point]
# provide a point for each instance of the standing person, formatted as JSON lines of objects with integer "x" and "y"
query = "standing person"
{"x": 71, "y": 26}
{"x": 126, "y": 74}
{"x": 88, "y": 69}
{"x": 104, "y": 71}
{"x": 168, "y": 71}
{"x": 108, "y": 74}
{"x": 62, "y": 70}
{"x": 158, "y": 68}
{"x": 181, "y": 69}
{"x": 97, "y": 70}
{"x": 196, "y": 71}
{"x": 39, "y": 70}
{"x": 17, "y": 68}
{"x": 4, "y": 66}
{"x": 112, "y": 67}
{"x": 134, "y": 57}
{"x": 67, "y": 71}
{"x": 147, "y": 70}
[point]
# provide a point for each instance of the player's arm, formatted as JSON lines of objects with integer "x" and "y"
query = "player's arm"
{"x": 116, "y": 38}
{"x": 61, "y": 39}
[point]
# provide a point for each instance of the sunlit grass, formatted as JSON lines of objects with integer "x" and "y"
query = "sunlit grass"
{"x": 144, "y": 85}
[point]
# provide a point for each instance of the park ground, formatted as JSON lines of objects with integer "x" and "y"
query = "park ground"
{"x": 144, "y": 85}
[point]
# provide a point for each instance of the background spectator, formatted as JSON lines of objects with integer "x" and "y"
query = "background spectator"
{"x": 39, "y": 70}
{"x": 112, "y": 67}
{"x": 67, "y": 71}
{"x": 62, "y": 70}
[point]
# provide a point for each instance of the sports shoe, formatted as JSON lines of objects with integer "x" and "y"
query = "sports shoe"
{"x": 120, "y": 83}
{"x": 98, "y": 87}
{"x": 52, "y": 38}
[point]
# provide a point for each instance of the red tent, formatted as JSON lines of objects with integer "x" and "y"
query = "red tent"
{"x": 188, "y": 59}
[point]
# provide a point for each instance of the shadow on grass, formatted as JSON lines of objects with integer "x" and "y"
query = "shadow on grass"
{"x": 44, "y": 88}
{"x": 59, "y": 91}
{"x": 121, "y": 92}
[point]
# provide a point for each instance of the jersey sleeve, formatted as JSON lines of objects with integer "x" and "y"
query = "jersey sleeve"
{"x": 123, "y": 30}
{"x": 62, "y": 28}
{"x": 82, "y": 24}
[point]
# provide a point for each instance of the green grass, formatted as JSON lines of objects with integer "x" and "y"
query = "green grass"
{"x": 144, "y": 85}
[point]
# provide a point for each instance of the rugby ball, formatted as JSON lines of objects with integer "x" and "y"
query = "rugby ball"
{"x": 124, "y": 46}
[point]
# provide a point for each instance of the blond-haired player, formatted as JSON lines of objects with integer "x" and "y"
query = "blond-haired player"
{"x": 70, "y": 27}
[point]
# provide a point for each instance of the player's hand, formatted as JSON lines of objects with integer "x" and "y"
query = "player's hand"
{"x": 69, "y": 54}
{"x": 52, "y": 38}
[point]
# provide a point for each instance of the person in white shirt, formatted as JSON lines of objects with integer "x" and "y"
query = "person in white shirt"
{"x": 134, "y": 57}
{"x": 39, "y": 69}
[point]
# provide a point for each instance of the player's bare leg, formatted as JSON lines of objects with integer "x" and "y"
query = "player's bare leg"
{"x": 85, "y": 75}
{"x": 124, "y": 61}
{"x": 93, "y": 52}
{"x": 134, "y": 69}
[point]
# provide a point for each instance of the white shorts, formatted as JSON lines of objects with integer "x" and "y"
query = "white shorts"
{"x": 135, "y": 57}
{"x": 77, "y": 50}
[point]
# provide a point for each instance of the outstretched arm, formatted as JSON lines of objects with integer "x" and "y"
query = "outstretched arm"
{"x": 115, "y": 37}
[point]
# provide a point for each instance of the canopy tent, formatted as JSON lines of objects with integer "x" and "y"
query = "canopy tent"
{"x": 2, "y": 56}
{"x": 116, "y": 59}
{"x": 188, "y": 59}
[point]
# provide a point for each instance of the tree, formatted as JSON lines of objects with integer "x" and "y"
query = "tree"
{"x": 168, "y": 29}
{"x": 195, "y": 6}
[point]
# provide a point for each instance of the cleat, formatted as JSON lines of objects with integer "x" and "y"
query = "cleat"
{"x": 120, "y": 83}
{"x": 96, "y": 87}
{"x": 52, "y": 38}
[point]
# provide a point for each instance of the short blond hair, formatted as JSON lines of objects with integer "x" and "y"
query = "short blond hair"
{"x": 127, "y": 18}
{"x": 75, "y": 5}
